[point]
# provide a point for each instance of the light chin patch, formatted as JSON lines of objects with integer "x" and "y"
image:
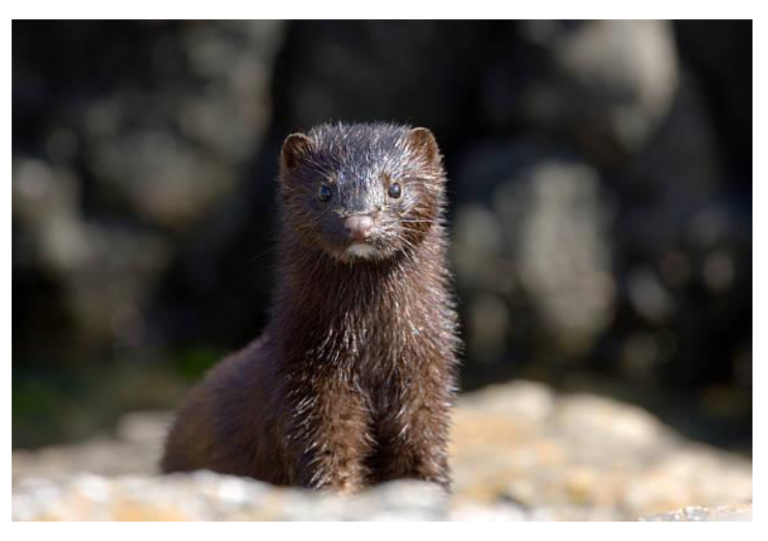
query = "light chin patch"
{"x": 363, "y": 251}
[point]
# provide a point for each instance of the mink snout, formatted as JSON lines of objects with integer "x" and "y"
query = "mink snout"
{"x": 359, "y": 227}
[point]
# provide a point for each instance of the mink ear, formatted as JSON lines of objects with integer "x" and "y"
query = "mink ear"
{"x": 295, "y": 148}
{"x": 423, "y": 142}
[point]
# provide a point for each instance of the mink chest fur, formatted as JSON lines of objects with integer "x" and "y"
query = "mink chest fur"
{"x": 352, "y": 381}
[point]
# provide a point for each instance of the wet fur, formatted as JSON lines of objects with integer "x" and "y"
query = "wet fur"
{"x": 352, "y": 381}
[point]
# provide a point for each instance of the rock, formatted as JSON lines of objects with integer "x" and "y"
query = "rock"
{"x": 205, "y": 496}
{"x": 143, "y": 427}
{"x": 604, "y": 86}
{"x": 115, "y": 164}
{"x": 676, "y": 480}
{"x": 562, "y": 250}
{"x": 724, "y": 68}
{"x": 170, "y": 154}
{"x": 533, "y": 236}
{"x": 524, "y": 401}
{"x": 643, "y": 267}
{"x": 725, "y": 513}
{"x": 683, "y": 255}
{"x": 582, "y": 457}
{"x": 588, "y": 416}
{"x": 105, "y": 273}
{"x": 373, "y": 71}
{"x": 519, "y": 451}
{"x": 134, "y": 449}
{"x": 45, "y": 201}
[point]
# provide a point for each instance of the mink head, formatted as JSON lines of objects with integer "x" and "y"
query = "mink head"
{"x": 362, "y": 192}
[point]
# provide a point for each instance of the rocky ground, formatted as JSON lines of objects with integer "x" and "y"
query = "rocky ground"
{"x": 521, "y": 451}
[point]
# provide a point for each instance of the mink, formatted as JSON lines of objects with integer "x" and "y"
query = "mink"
{"x": 353, "y": 379}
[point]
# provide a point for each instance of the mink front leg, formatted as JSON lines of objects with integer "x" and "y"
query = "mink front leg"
{"x": 413, "y": 443}
{"x": 331, "y": 438}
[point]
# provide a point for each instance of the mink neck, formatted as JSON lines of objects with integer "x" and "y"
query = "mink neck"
{"x": 315, "y": 289}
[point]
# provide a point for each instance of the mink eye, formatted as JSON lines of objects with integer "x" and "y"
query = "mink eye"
{"x": 394, "y": 191}
{"x": 324, "y": 193}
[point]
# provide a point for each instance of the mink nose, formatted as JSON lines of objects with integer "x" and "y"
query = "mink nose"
{"x": 359, "y": 227}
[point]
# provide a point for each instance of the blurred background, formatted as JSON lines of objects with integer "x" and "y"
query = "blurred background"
{"x": 600, "y": 202}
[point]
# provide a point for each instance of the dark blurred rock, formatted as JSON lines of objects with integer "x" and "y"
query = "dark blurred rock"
{"x": 532, "y": 230}
{"x": 719, "y": 54}
{"x": 159, "y": 179}
{"x": 117, "y": 164}
{"x": 603, "y": 86}
{"x": 169, "y": 151}
{"x": 677, "y": 174}
{"x": 105, "y": 273}
{"x": 45, "y": 207}
{"x": 421, "y": 72}
{"x": 683, "y": 248}
{"x": 645, "y": 268}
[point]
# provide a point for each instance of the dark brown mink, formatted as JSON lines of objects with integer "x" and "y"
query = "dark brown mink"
{"x": 353, "y": 379}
